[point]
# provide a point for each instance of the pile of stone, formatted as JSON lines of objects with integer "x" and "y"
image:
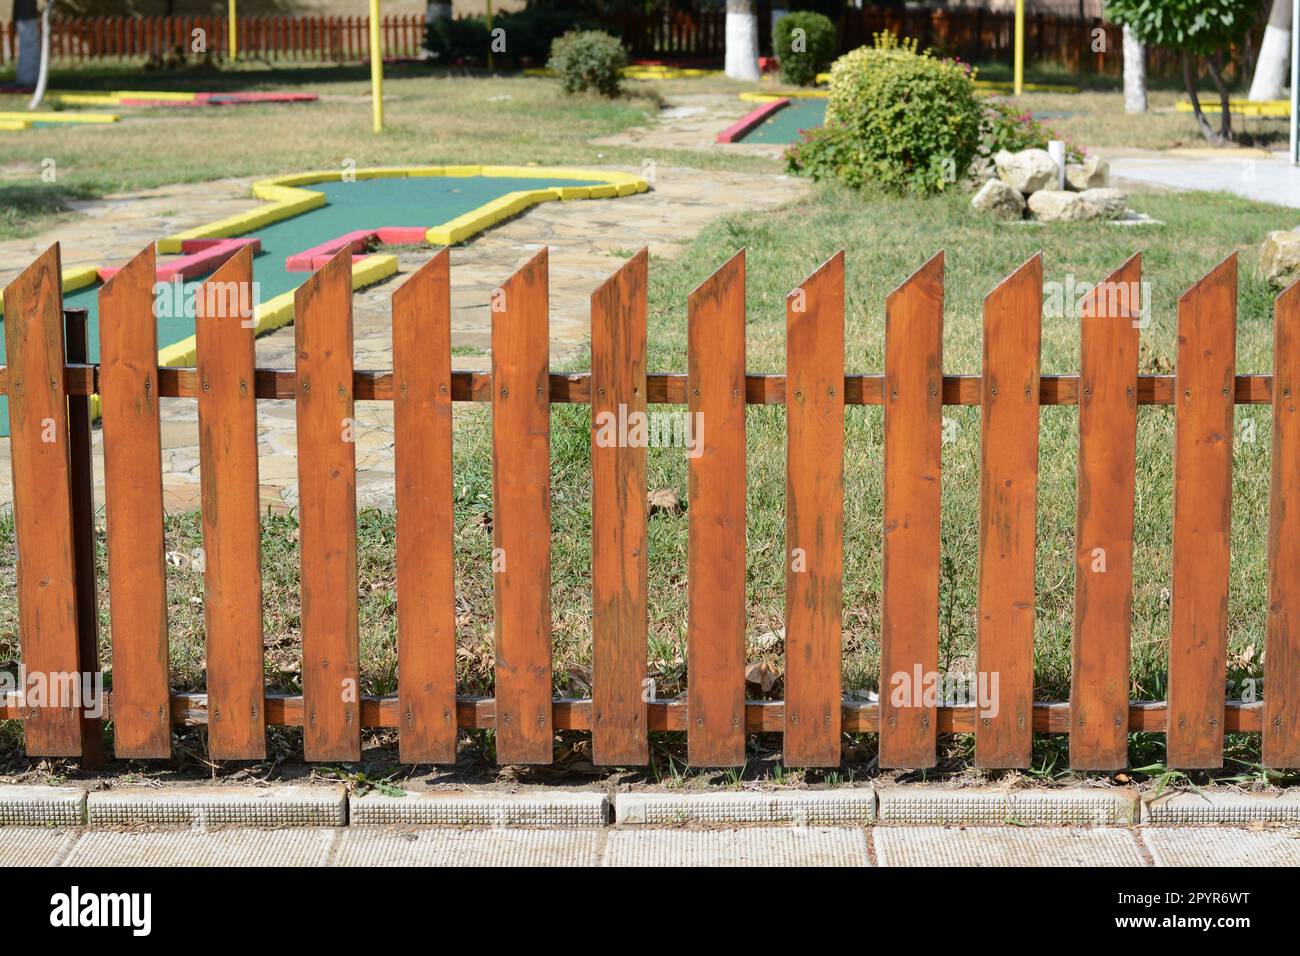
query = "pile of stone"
{"x": 1279, "y": 257}
{"x": 1028, "y": 183}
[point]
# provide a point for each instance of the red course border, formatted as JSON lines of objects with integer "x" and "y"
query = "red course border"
{"x": 747, "y": 122}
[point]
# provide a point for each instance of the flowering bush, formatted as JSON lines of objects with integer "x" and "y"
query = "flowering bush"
{"x": 1009, "y": 128}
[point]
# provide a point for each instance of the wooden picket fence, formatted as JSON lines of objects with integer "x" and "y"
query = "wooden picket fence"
{"x": 49, "y": 385}
{"x": 329, "y": 39}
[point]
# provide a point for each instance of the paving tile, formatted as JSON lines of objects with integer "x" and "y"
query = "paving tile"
{"x": 808, "y": 808}
{"x": 1208, "y": 806}
{"x": 28, "y": 805}
{"x": 34, "y": 846}
{"x": 1006, "y": 846}
{"x": 437, "y": 808}
{"x": 1222, "y": 846}
{"x": 748, "y": 847}
{"x": 236, "y": 846}
{"x": 366, "y": 846}
{"x": 219, "y": 806}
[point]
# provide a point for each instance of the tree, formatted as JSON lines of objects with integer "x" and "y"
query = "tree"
{"x": 1274, "y": 54}
{"x": 742, "y": 40}
{"x": 1196, "y": 29}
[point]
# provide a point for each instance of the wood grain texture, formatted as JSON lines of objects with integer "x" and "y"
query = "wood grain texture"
{"x": 232, "y": 527}
{"x": 909, "y": 642}
{"x": 1103, "y": 557}
{"x": 1282, "y": 640}
{"x": 1008, "y": 507}
{"x": 426, "y": 585}
{"x": 327, "y": 512}
{"x": 521, "y": 521}
{"x": 814, "y": 516}
{"x": 42, "y": 500}
{"x": 715, "y": 641}
{"x": 618, "y": 518}
{"x": 81, "y": 479}
{"x": 137, "y": 582}
{"x": 1203, "y": 425}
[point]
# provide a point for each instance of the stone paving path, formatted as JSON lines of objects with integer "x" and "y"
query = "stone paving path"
{"x": 587, "y": 240}
{"x": 640, "y": 846}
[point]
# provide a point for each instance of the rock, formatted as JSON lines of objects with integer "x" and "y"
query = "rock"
{"x": 1027, "y": 171}
{"x": 1092, "y": 173}
{"x": 1061, "y": 205}
{"x": 1110, "y": 203}
{"x": 1279, "y": 258}
{"x": 1003, "y": 201}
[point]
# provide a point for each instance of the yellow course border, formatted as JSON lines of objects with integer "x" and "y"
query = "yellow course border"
{"x": 13, "y": 121}
{"x": 750, "y": 97}
{"x": 286, "y": 198}
{"x": 1274, "y": 108}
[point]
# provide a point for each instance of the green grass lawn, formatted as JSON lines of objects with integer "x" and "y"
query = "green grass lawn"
{"x": 442, "y": 119}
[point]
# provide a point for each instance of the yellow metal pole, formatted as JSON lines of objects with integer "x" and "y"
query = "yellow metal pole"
{"x": 489, "y": 30}
{"x": 1020, "y": 47}
{"x": 232, "y": 39}
{"x": 376, "y": 68}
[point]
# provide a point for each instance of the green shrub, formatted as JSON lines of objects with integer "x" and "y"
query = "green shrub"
{"x": 904, "y": 121}
{"x": 1007, "y": 127}
{"x": 589, "y": 59}
{"x": 805, "y": 45}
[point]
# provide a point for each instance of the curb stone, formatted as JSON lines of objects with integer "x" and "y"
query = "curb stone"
{"x": 456, "y": 809}
{"x": 935, "y": 807}
{"x": 33, "y": 806}
{"x": 220, "y": 806}
{"x": 1203, "y": 807}
{"x": 805, "y": 808}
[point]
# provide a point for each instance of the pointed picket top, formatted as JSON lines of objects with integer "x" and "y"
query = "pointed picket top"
{"x": 717, "y": 282}
{"x": 929, "y": 277}
{"x": 828, "y": 271}
{"x": 629, "y": 276}
{"x": 144, "y": 261}
{"x": 1224, "y": 273}
{"x": 420, "y": 282}
{"x": 1031, "y": 271}
{"x": 25, "y": 287}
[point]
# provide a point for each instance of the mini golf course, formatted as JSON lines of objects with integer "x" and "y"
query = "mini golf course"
{"x": 778, "y": 120}
{"x": 298, "y": 229}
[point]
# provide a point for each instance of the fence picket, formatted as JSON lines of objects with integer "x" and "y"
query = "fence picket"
{"x": 814, "y": 516}
{"x": 618, "y": 519}
{"x": 38, "y": 409}
{"x": 1008, "y": 504}
{"x": 1203, "y": 424}
{"x": 1282, "y": 642}
{"x": 715, "y": 642}
{"x": 327, "y": 509}
{"x": 426, "y": 588}
{"x": 1103, "y": 560}
{"x": 134, "y": 510}
{"x": 232, "y": 547}
{"x": 521, "y": 504}
{"x": 909, "y": 639}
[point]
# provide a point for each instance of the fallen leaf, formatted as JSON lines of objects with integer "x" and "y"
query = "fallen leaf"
{"x": 762, "y": 675}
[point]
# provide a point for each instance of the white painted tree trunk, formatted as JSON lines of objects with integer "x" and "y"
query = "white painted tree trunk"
{"x": 742, "y": 40}
{"x": 1135, "y": 73}
{"x": 1271, "y": 69}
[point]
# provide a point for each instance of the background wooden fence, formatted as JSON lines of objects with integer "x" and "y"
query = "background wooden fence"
{"x": 680, "y": 35}
{"x": 331, "y": 39}
{"x": 49, "y": 383}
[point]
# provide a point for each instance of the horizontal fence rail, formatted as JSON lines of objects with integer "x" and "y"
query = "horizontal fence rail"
{"x": 50, "y": 387}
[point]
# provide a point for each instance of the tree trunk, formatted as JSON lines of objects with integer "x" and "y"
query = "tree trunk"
{"x": 1135, "y": 73}
{"x": 742, "y": 40}
{"x": 28, "y": 68}
{"x": 1189, "y": 81}
{"x": 1215, "y": 66}
{"x": 44, "y": 74}
{"x": 1271, "y": 78}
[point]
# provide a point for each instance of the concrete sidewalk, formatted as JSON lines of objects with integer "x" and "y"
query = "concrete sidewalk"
{"x": 757, "y": 846}
{"x": 324, "y": 825}
{"x": 1251, "y": 174}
